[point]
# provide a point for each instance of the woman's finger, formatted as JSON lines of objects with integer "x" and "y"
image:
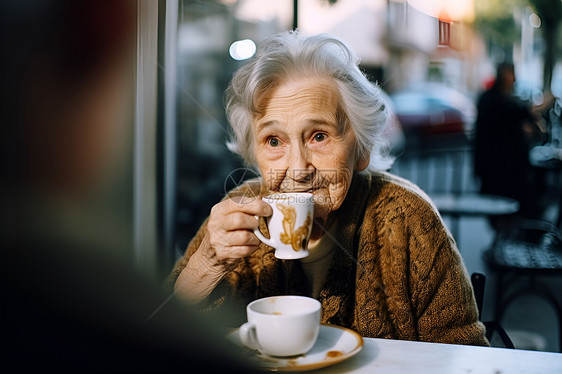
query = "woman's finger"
{"x": 235, "y": 238}
{"x": 239, "y": 221}
{"x": 235, "y": 252}
{"x": 255, "y": 207}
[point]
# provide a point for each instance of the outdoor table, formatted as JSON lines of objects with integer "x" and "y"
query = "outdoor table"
{"x": 472, "y": 204}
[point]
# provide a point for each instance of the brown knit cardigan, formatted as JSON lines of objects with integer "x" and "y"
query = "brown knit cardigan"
{"x": 396, "y": 272}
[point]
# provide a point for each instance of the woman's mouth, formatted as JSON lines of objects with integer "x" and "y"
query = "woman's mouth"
{"x": 301, "y": 190}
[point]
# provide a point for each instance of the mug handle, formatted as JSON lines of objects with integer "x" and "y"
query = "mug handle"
{"x": 248, "y": 335}
{"x": 262, "y": 238}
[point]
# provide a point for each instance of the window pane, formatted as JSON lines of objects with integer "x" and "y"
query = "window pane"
{"x": 206, "y": 30}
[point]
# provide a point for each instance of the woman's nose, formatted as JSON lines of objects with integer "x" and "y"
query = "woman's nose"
{"x": 300, "y": 166}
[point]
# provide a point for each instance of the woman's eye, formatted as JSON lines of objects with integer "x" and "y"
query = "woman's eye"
{"x": 274, "y": 142}
{"x": 319, "y": 137}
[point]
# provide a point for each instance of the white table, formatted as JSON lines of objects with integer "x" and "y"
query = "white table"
{"x": 398, "y": 356}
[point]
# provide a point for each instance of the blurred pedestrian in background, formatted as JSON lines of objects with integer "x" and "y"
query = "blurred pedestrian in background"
{"x": 506, "y": 129}
{"x": 71, "y": 299}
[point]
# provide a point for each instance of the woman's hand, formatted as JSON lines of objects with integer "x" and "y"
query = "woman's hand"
{"x": 230, "y": 229}
{"x": 229, "y": 238}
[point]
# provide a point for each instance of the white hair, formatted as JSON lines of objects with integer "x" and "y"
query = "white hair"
{"x": 290, "y": 53}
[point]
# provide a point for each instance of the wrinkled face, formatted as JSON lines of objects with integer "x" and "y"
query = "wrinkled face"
{"x": 301, "y": 147}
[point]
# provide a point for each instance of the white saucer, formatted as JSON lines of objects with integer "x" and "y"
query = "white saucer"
{"x": 334, "y": 344}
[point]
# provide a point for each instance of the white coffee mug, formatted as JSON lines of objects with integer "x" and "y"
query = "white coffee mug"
{"x": 282, "y": 325}
{"x": 290, "y": 225}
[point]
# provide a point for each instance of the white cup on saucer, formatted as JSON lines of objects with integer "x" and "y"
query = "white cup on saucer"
{"x": 282, "y": 325}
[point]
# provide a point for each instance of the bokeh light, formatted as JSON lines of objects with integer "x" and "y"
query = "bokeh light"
{"x": 535, "y": 20}
{"x": 242, "y": 49}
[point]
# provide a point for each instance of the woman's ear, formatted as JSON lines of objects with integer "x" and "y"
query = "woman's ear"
{"x": 363, "y": 161}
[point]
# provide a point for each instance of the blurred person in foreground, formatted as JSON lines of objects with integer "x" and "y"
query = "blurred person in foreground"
{"x": 71, "y": 300}
{"x": 381, "y": 260}
{"x": 506, "y": 129}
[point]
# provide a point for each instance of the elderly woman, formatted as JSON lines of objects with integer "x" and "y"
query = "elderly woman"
{"x": 381, "y": 260}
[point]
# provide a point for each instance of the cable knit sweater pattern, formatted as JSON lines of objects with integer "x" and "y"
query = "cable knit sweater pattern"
{"x": 396, "y": 272}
